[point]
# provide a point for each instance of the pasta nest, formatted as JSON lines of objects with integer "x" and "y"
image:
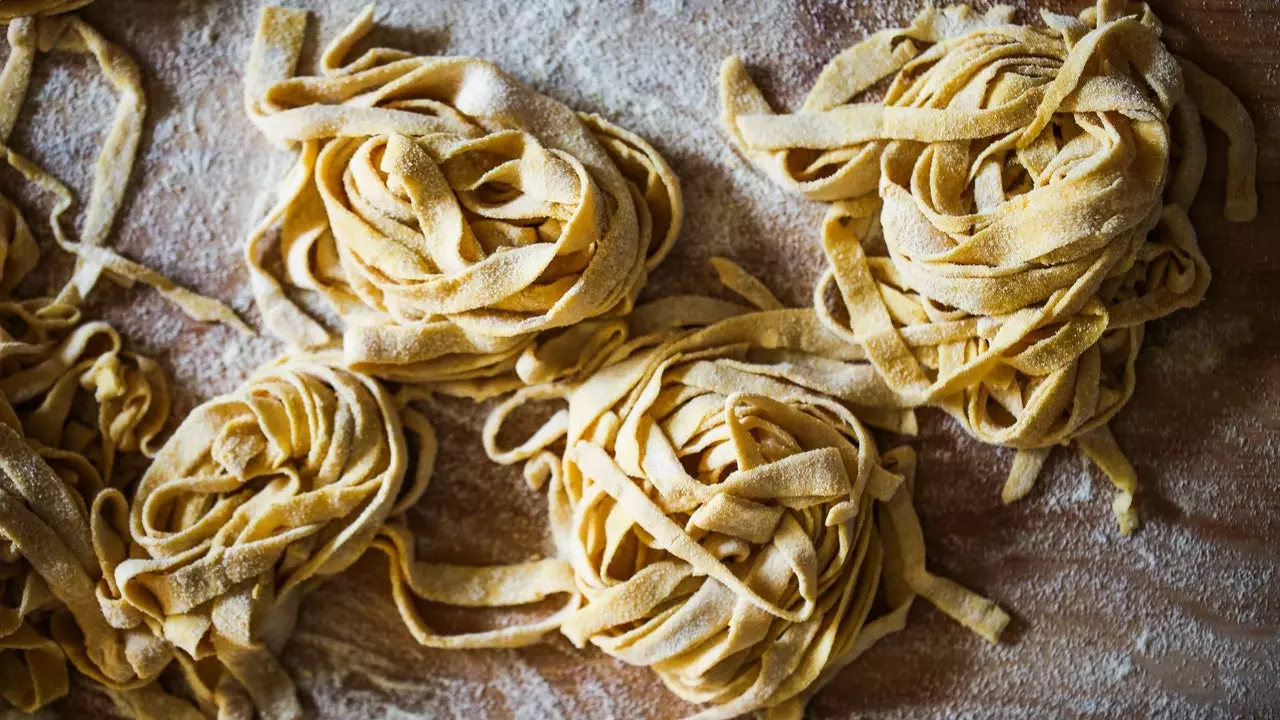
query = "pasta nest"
{"x": 49, "y": 573}
{"x": 718, "y": 504}
{"x": 448, "y": 213}
{"x": 1010, "y": 214}
{"x": 257, "y": 496}
{"x": 55, "y": 463}
{"x": 49, "y": 359}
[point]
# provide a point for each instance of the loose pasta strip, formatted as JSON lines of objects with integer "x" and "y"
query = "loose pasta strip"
{"x": 456, "y": 220}
{"x": 1007, "y": 219}
{"x": 32, "y": 29}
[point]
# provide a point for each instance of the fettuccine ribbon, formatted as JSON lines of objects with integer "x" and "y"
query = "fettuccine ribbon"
{"x": 28, "y": 35}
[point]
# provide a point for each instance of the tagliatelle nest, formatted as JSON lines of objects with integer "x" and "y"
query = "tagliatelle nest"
{"x": 258, "y": 495}
{"x": 54, "y": 467}
{"x": 1011, "y": 213}
{"x": 55, "y": 462}
{"x": 448, "y": 213}
{"x": 49, "y": 572}
{"x": 728, "y": 518}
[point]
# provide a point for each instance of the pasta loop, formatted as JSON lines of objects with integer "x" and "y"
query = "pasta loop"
{"x": 30, "y": 32}
{"x": 56, "y": 475}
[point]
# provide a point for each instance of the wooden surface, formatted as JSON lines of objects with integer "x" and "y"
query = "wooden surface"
{"x": 1179, "y": 621}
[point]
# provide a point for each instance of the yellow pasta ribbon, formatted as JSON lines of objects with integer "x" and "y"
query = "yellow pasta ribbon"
{"x": 473, "y": 586}
{"x": 1010, "y": 215}
{"x": 58, "y": 474}
{"x": 51, "y": 559}
{"x": 262, "y": 494}
{"x": 43, "y": 372}
{"x": 450, "y": 215}
{"x": 726, "y": 514}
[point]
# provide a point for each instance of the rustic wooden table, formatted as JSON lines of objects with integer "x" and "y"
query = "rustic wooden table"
{"x": 1180, "y": 620}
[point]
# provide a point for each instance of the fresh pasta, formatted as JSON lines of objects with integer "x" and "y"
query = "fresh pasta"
{"x": 728, "y": 518}
{"x": 259, "y": 495}
{"x": 57, "y": 463}
{"x": 54, "y": 465}
{"x": 50, "y": 566}
{"x": 55, "y": 468}
{"x": 1002, "y": 224}
{"x": 1006, "y": 220}
{"x": 450, "y": 215}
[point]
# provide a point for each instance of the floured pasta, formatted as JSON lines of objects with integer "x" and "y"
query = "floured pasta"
{"x": 728, "y": 518}
{"x": 258, "y": 495}
{"x": 1009, "y": 216}
{"x": 474, "y": 586}
{"x": 54, "y": 467}
{"x": 51, "y": 573}
{"x": 54, "y": 365}
{"x": 55, "y": 461}
{"x": 448, "y": 214}
{"x": 56, "y": 464}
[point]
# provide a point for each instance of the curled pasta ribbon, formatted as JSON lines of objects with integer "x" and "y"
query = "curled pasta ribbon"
{"x": 1010, "y": 215}
{"x": 727, "y": 516}
{"x": 449, "y": 214}
{"x": 18, "y": 250}
{"x": 56, "y": 549}
{"x": 30, "y": 31}
{"x": 473, "y": 586}
{"x": 53, "y": 472}
{"x": 61, "y": 472}
{"x": 461, "y": 585}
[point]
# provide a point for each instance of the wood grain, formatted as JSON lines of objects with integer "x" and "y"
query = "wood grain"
{"x": 1179, "y": 621}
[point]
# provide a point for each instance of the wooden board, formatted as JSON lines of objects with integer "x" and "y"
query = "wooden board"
{"x": 1179, "y": 621}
